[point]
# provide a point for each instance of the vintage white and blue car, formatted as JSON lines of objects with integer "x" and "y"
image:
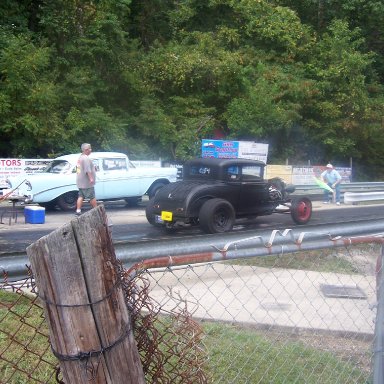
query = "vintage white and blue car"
{"x": 116, "y": 178}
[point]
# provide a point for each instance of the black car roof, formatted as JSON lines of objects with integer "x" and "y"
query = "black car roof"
{"x": 211, "y": 161}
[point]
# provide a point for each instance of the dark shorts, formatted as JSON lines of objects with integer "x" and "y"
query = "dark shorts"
{"x": 87, "y": 193}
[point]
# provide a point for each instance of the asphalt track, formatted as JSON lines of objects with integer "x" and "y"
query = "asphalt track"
{"x": 130, "y": 224}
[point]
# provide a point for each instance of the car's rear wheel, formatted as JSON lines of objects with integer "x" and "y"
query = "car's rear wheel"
{"x": 150, "y": 213}
{"x": 216, "y": 216}
{"x": 67, "y": 202}
{"x": 301, "y": 210}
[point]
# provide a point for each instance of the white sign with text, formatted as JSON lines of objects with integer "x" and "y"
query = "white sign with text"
{"x": 17, "y": 167}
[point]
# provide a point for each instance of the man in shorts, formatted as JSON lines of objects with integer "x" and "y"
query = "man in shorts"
{"x": 85, "y": 178}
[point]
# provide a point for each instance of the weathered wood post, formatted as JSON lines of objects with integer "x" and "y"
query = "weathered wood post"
{"x": 76, "y": 278}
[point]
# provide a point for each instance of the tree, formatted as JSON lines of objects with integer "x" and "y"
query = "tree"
{"x": 153, "y": 78}
{"x": 29, "y": 122}
{"x": 338, "y": 116}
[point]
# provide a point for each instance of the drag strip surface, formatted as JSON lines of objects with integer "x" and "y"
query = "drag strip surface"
{"x": 130, "y": 224}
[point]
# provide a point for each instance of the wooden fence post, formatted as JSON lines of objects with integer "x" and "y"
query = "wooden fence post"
{"x": 90, "y": 328}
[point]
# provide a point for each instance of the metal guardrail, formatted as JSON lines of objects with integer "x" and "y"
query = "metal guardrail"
{"x": 233, "y": 244}
{"x": 345, "y": 187}
{"x": 357, "y": 197}
{"x": 351, "y": 193}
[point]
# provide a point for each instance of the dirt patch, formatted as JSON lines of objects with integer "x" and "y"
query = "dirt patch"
{"x": 363, "y": 257}
{"x": 355, "y": 351}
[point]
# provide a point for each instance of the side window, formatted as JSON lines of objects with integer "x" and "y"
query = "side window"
{"x": 121, "y": 164}
{"x": 233, "y": 173}
{"x": 107, "y": 164}
{"x": 252, "y": 173}
{"x": 59, "y": 166}
{"x": 96, "y": 164}
{"x": 114, "y": 164}
{"x": 204, "y": 171}
{"x": 199, "y": 170}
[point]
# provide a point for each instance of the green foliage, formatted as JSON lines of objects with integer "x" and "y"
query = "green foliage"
{"x": 28, "y": 97}
{"x": 153, "y": 78}
{"x": 177, "y": 126}
{"x": 269, "y": 26}
{"x": 339, "y": 68}
{"x": 93, "y": 125}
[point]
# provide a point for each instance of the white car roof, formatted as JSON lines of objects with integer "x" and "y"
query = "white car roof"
{"x": 72, "y": 158}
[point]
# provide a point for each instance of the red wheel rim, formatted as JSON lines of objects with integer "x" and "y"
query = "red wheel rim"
{"x": 304, "y": 210}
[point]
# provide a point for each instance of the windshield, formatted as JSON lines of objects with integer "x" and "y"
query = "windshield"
{"x": 59, "y": 166}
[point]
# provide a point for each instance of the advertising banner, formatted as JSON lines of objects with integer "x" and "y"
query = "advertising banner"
{"x": 16, "y": 167}
{"x": 234, "y": 149}
{"x": 304, "y": 175}
{"x": 282, "y": 171}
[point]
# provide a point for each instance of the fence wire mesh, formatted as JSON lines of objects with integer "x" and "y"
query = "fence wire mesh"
{"x": 307, "y": 317}
{"x": 25, "y": 355}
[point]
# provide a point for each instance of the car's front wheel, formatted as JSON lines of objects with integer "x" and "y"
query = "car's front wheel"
{"x": 301, "y": 210}
{"x": 133, "y": 201}
{"x": 67, "y": 202}
{"x": 50, "y": 206}
{"x": 155, "y": 188}
{"x": 216, "y": 216}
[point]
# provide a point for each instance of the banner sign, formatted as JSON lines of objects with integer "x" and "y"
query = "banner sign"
{"x": 282, "y": 171}
{"x": 16, "y": 167}
{"x": 234, "y": 149}
{"x": 304, "y": 175}
{"x": 146, "y": 163}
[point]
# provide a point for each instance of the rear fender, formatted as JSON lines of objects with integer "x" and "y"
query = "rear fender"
{"x": 195, "y": 206}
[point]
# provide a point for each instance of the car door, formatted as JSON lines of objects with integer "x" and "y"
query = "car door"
{"x": 253, "y": 191}
{"x": 114, "y": 179}
{"x": 99, "y": 185}
{"x": 232, "y": 185}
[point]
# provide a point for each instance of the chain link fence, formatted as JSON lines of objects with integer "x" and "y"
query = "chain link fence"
{"x": 305, "y": 317}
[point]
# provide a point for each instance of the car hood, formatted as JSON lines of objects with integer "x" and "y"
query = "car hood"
{"x": 40, "y": 182}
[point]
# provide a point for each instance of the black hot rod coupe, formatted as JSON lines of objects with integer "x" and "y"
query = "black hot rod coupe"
{"x": 213, "y": 193}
